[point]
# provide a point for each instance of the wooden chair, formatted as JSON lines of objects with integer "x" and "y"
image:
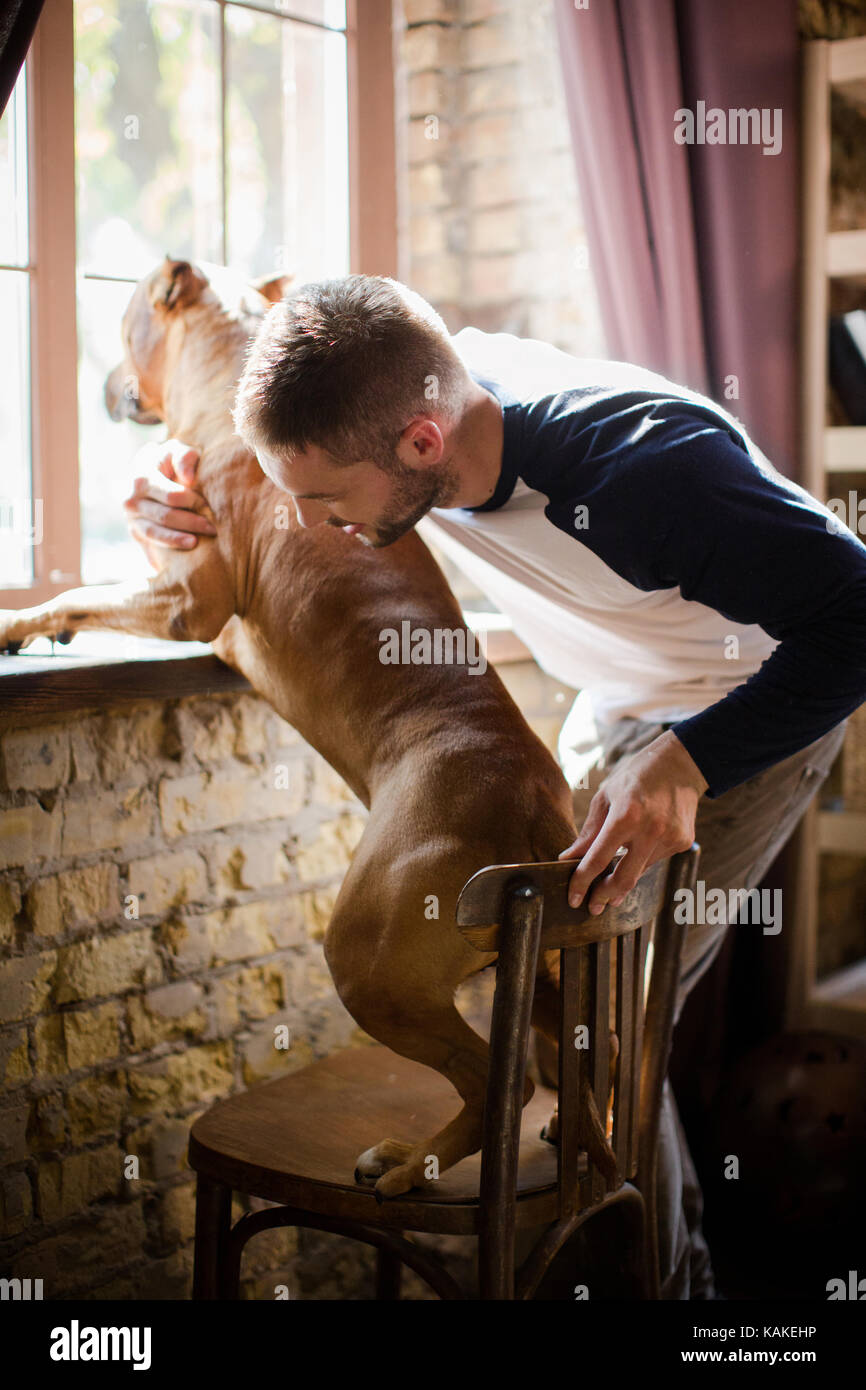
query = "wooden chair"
{"x": 294, "y": 1141}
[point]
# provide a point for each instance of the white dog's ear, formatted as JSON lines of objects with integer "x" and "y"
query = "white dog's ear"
{"x": 177, "y": 284}
{"x": 273, "y": 287}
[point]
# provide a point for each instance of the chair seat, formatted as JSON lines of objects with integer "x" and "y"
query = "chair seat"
{"x": 296, "y": 1141}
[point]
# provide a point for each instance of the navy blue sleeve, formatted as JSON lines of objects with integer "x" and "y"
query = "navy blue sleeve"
{"x": 687, "y": 506}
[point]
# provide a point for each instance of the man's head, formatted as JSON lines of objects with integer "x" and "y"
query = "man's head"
{"x": 349, "y": 397}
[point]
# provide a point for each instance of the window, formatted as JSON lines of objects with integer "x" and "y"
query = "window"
{"x": 20, "y": 514}
{"x": 217, "y": 130}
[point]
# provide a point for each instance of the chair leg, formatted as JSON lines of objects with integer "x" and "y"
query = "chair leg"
{"x": 213, "y": 1209}
{"x": 389, "y": 1270}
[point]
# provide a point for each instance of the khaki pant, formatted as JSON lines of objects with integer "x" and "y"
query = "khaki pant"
{"x": 740, "y": 833}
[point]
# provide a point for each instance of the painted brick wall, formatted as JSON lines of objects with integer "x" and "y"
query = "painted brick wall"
{"x": 228, "y": 837}
{"x": 491, "y": 221}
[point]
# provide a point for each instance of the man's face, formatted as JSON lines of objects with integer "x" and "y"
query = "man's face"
{"x": 378, "y": 504}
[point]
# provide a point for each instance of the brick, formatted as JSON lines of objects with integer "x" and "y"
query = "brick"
{"x": 329, "y": 789}
{"x": 253, "y": 994}
{"x": 438, "y": 279}
{"x": 168, "y": 1014}
{"x": 69, "y": 1261}
{"x": 106, "y": 965}
{"x": 92, "y": 1035}
{"x": 65, "y": 901}
{"x": 427, "y": 186}
{"x": 36, "y": 759}
{"x": 427, "y": 234}
{"x": 493, "y": 43}
{"x": 48, "y": 1128}
{"x": 50, "y": 1041}
{"x": 475, "y": 10}
{"x": 161, "y": 1148}
{"x": 491, "y": 89}
{"x": 68, "y": 1185}
{"x": 14, "y": 1060}
{"x": 430, "y": 92}
{"x": 25, "y": 985}
{"x": 28, "y": 833}
{"x": 252, "y": 929}
{"x": 108, "y": 820}
{"x": 259, "y": 727}
{"x": 420, "y": 11}
{"x": 170, "y": 1278}
{"x": 122, "y": 1289}
{"x": 188, "y": 941}
{"x": 490, "y": 136}
{"x": 261, "y": 1060}
{"x": 330, "y": 852}
{"x": 206, "y": 729}
{"x": 177, "y": 1214}
{"x": 14, "y": 1120}
{"x": 429, "y": 137}
{"x": 494, "y": 185}
{"x": 211, "y": 800}
{"x": 120, "y": 746}
{"x": 168, "y": 879}
{"x": 16, "y": 1205}
{"x": 244, "y": 863}
{"x": 10, "y": 906}
{"x": 430, "y": 46}
{"x": 490, "y": 277}
{"x": 185, "y": 1078}
{"x": 97, "y": 1105}
{"x": 318, "y": 909}
{"x": 496, "y": 231}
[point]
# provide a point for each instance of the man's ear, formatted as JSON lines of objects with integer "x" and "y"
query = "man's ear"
{"x": 177, "y": 285}
{"x": 273, "y": 287}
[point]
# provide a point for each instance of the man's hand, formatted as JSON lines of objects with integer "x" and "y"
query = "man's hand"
{"x": 168, "y": 517}
{"x": 648, "y": 805}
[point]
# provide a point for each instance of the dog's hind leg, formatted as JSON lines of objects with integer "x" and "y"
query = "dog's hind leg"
{"x": 439, "y": 1038}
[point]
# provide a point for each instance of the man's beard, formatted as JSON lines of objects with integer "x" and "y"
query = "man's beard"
{"x": 415, "y": 492}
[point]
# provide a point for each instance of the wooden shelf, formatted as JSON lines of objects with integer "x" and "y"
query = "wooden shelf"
{"x": 837, "y": 1003}
{"x": 846, "y": 254}
{"x": 847, "y": 63}
{"x": 845, "y": 449}
{"x": 848, "y": 985}
{"x": 842, "y": 832}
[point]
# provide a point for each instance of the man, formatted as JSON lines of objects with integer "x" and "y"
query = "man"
{"x": 712, "y": 614}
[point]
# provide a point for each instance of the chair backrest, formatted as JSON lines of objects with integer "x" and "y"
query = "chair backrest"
{"x": 517, "y": 910}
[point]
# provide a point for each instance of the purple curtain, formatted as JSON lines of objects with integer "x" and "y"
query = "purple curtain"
{"x": 17, "y": 26}
{"x": 694, "y": 246}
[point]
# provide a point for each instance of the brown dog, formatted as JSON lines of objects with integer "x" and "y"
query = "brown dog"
{"x": 453, "y": 777}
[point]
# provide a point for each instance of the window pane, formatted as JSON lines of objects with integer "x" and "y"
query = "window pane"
{"x": 147, "y": 139}
{"x": 330, "y": 12}
{"x": 105, "y": 448}
{"x": 286, "y": 148}
{"x": 13, "y": 178}
{"x": 20, "y": 518}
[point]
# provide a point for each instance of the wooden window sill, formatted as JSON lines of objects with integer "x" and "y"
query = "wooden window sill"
{"x": 100, "y": 669}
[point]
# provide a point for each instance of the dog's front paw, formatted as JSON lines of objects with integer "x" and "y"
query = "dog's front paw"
{"x": 15, "y": 632}
{"x": 19, "y": 629}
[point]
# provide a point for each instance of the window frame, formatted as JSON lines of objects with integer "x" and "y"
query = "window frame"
{"x": 52, "y": 252}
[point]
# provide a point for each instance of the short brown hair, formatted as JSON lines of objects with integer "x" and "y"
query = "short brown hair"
{"x": 345, "y": 365}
